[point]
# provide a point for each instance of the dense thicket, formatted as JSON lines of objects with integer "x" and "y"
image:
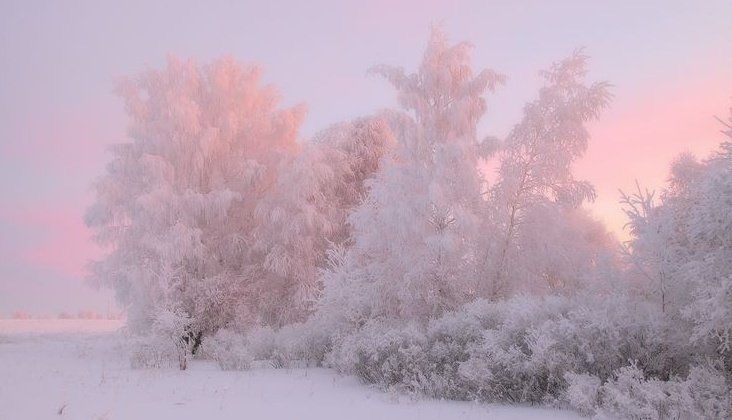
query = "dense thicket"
{"x": 379, "y": 247}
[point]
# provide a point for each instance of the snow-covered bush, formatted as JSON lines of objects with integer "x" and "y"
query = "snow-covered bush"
{"x": 229, "y": 350}
{"x": 531, "y": 344}
{"x": 152, "y": 352}
{"x": 583, "y": 392}
{"x": 632, "y": 394}
{"x": 388, "y": 355}
{"x": 519, "y": 350}
{"x": 441, "y": 359}
{"x": 301, "y": 344}
{"x": 708, "y": 391}
{"x": 503, "y": 365}
{"x": 260, "y": 342}
{"x": 290, "y": 346}
{"x": 409, "y": 356}
{"x": 171, "y": 340}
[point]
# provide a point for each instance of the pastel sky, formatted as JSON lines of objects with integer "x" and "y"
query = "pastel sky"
{"x": 670, "y": 63}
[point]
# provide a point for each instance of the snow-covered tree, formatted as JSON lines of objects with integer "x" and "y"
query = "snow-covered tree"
{"x": 648, "y": 251}
{"x": 682, "y": 245}
{"x": 709, "y": 266}
{"x": 305, "y": 215}
{"x": 413, "y": 252}
{"x": 176, "y": 206}
{"x": 563, "y": 250}
{"x": 535, "y": 174}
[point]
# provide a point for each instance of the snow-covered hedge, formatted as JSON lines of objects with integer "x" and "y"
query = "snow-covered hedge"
{"x": 631, "y": 394}
{"x": 292, "y": 345}
{"x": 229, "y": 350}
{"x": 170, "y": 341}
{"x": 548, "y": 350}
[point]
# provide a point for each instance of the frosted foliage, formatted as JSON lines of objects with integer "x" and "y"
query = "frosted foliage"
{"x": 562, "y": 251}
{"x": 176, "y": 205}
{"x": 229, "y": 350}
{"x": 535, "y": 166}
{"x": 378, "y": 248}
{"x": 306, "y": 212}
{"x": 415, "y": 234}
{"x": 631, "y": 394}
{"x": 169, "y": 342}
{"x": 682, "y": 245}
{"x": 582, "y": 392}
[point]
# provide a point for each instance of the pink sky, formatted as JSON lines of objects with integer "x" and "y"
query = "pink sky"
{"x": 669, "y": 62}
{"x": 644, "y": 131}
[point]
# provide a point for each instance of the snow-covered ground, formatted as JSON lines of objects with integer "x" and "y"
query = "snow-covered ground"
{"x": 53, "y": 326}
{"x": 78, "y": 369}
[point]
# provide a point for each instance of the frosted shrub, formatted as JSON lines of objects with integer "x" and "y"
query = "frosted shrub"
{"x": 470, "y": 353}
{"x": 170, "y": 339}
{"x": 301, "y": 344}
{"x": 449, "y": 339}
{"x": 393, "y": 356}
{"x": 583, "y": 392}
{"x": 260, "y": 342}
{"x": 229, "y": 350}
{"x": 294, "y": 345}
{"x": 152, "y": 352}
{"x": 523, "y": 349}
{"x": 707, "y": 392}
{"x": 506, "y": 364}
{"x": 530, "y": 344}
{"x": 603, "y": 334}
{"x": 631, "y": 396}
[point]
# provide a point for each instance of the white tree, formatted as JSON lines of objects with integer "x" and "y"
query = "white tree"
{"x": 709, "y": 266}
{"x": 563, "y": 250}
{"x": 176, "y": 205}
{"x": 535, "y": 164}
{"x": 682, "y": 244}
{"x": 306, "y": 212}
{"x": 413, "y": 252}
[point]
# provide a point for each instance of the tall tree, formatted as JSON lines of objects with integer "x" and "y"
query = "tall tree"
{"x": 305, "y": 214}
{"x": 535, "y": 162}
{"x": 176, "y": 205}
{"x": 682, "y": 246}
{"x": 413, "y": 247}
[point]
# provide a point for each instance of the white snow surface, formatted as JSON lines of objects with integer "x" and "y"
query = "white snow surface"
{"x": 79, "y": 369}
